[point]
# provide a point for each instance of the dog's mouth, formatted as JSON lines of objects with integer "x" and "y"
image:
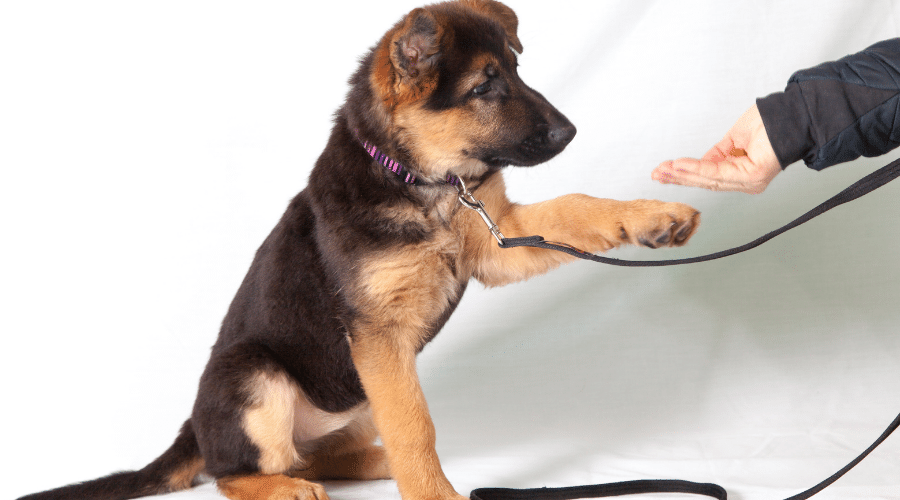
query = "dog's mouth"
{"x": 526, "y": 159}
{"x": 497, "y": 162}
{"x": 534, "y": 150}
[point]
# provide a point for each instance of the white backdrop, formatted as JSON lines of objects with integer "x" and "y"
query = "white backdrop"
{"x": 147, "y": 148}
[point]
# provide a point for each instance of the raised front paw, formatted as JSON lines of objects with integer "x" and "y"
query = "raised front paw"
{"x": 658, "y": 224}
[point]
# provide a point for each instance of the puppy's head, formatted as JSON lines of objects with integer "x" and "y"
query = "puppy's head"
{"x": 446, "y": 79}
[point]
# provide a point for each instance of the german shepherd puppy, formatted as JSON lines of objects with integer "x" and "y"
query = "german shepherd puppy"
{"x": 316, "y": 355}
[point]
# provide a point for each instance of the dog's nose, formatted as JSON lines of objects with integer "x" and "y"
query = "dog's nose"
{"x": 562, "y": 135}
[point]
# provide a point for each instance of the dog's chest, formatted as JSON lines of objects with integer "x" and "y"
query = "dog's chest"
{"x": 413, "y": 286}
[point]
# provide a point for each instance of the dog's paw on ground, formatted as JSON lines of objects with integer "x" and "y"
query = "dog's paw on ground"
{"x": 270, "y": 487}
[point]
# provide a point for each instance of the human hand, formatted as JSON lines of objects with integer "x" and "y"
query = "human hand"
{"x": 742, "y": 161}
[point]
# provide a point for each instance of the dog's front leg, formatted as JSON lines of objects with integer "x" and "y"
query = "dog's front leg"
{"x": 588, "y": 223}
{"x": 385, "y": 361}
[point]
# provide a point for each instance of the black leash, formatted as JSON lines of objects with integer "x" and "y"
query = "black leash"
{"x": 657, "y": 486}
{"x": 602, "y": 490}
{"x": 864, "y": 186}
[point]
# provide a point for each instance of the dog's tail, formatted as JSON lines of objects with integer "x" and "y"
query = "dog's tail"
{"x": 174, "y": 470}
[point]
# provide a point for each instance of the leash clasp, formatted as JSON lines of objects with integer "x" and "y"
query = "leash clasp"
{"x": 469, "y": 201}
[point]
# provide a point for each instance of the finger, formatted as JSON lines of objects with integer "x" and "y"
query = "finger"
{"x": 726, "y": 175}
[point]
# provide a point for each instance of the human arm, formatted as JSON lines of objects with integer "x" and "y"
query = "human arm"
{"x": 829, "y": 114}
{"x": 742, "y": 161}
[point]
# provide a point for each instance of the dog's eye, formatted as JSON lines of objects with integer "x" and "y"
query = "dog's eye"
{"x": 482, "y": 89}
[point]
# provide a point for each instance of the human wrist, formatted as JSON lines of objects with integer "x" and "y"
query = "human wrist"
{"x": 787, "y": 124}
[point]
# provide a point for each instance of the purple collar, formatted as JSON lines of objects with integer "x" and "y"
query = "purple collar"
{"x": 463, "y": 194}
{"x": 397, "y": 168}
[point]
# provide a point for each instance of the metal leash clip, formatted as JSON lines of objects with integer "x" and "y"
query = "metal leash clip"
{"x": 469, "y": 201}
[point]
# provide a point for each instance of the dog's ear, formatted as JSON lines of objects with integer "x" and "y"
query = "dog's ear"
{"x": 503, "y": 15}
{"x": 415, "y": 46}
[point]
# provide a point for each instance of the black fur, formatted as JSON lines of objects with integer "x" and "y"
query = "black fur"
{"x": 150, "y": 480}
{"x": 471, "y": 34}
{"x": 293, "y": 311}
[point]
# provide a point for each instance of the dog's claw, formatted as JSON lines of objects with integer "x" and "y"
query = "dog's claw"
{"x": 669, "y": 224}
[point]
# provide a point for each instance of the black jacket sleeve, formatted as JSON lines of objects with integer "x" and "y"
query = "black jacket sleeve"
{"x": 838, "y": 111}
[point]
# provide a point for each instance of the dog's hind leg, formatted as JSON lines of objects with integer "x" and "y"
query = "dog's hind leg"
{"x": 363, "y": 464}
{"x": 350, "y": 453}
{"x": 245, "y": 423}
{"x": 270, "y": 487}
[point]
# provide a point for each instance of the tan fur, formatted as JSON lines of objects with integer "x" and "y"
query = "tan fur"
{"x": 361, "y": 465}
{"x": 348, "y": 454}
{"x": 476, "y": 69}
{"x": 408, "y": 289}
{"x": 364, "y": 464}
{"x": 397, "y": 257}
{"x": 387, "y": 368}
{"x": 269, "y": 422}
{"x": 404, "y": 292}
{"x": 270, "y": 487}
{"x": 588, "y": 223}
{"x": 282, "y": 423}
{"x": 401, "y": 292}
{"x": 183, "y": 478}
{"x": 438, "y": 141}
{"x": 396, "y": 84}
